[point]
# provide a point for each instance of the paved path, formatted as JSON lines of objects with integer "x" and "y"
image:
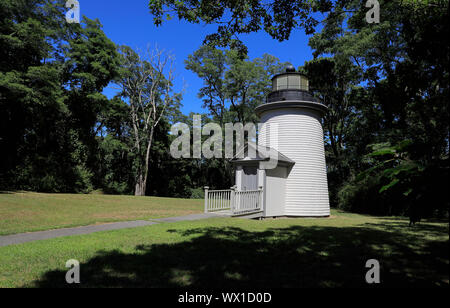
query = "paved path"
{"x": 42, "y": 235}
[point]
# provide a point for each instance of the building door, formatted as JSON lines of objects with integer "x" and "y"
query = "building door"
{"x": 250, "y": 178}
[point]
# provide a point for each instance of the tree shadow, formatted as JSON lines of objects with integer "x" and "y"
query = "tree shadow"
{"x": 280, "y": 257}
{"x": 406, "y": 219}
{"x": 396, "y": 224}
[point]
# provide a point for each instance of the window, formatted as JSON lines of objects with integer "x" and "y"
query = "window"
{"x": 250, "y": 178}
{"x": 290, "y": 81}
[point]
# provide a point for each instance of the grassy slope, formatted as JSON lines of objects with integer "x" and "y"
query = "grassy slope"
{"x": 232, "y": 252}
{"x": 24, "y": 212}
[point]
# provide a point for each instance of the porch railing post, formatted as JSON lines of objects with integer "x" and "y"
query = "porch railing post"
{"x": 206, "y": 199}
{"x": 232, "y": 198}
{"x": 261, "y": 198}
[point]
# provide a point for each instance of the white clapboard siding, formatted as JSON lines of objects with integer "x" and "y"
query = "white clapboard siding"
{"x": 300, "y": 137}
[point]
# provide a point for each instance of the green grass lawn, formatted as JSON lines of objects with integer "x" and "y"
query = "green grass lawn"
{"x": 27, "y": 211}
{"x": 232, "y": 252}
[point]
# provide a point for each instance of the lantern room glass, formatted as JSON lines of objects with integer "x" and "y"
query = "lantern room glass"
{"x": 290, "y": 82}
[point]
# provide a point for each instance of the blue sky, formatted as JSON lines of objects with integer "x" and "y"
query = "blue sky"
{"x": 130, "y": 23}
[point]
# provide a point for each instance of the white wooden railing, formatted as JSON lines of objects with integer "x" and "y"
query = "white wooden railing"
{"x": 247, "y": 201}
{"x": 217, "y": 200}
{"x": 237, "y": 201}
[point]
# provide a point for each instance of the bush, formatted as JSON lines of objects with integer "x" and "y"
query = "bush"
{"x": 378, "y": 194}
{"x": 47, "y": 184}
{"x": 364, "y": 197}
{"x": 197, "y": 193}
{"x": 83, "y": 178}
{"x": 117, "y": 188}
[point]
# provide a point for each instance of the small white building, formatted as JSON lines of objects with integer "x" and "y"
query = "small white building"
{"x": 296, "y": 185}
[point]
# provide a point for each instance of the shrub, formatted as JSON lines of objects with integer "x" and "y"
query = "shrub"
{"x": 197, "y": 193}
{"x": 83, "y": 178}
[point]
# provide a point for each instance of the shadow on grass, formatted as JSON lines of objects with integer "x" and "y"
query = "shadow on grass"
{"x": 401, "y": 225}
{"x": 281, "y": 257}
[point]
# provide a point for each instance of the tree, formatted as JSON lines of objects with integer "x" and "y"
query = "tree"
{"x": 277, "y": 18}
{"x": 147, "y": 83}
{"x": 91, "y": 63}
{"x": 402, "y": 94}
{"x": 51, "y": 76}
{"x": 247, "y": 83}
{"x": 335, "y": 82}
{"x": 384, "y": 83}
{"x": 210, "y": 65}
{"x": 232, "y": 86}
{"x": 115, "y": 157}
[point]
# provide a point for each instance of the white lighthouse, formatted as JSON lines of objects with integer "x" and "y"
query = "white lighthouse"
{"x": 291, "y": 118}
{"x": 296, "y": 185}
{"x": 297, "y": 115}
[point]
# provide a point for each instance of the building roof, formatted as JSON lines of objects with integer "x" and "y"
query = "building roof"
{"x": 263, "y": 153}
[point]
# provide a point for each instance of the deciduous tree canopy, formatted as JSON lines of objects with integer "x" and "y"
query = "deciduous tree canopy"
{"x": 386, "y": 86}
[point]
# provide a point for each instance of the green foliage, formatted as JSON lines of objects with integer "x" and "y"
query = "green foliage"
{"x": 114, "y": 170}
{"x": 146, "y": 82}
{"x": 396, "y": 185}
{"x": 388, "y": 122}
{"x": 51, "y": 75}
{"x": 386, "y": 86}
{"x": 115, "y": 176}
{"x": 363, "y": 197}
{"x": 82, "y": 180}
{"x": 197, "y": 193}
{"x": 277, "y": 18}
{"x": 232, "y": 86}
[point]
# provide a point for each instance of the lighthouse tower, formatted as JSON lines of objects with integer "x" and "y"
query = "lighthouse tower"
{"x": 296, "y": 116}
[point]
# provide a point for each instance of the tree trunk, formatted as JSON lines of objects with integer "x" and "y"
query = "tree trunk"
{"x": 147, "y": 161}
{"x": 140, "y": 186}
